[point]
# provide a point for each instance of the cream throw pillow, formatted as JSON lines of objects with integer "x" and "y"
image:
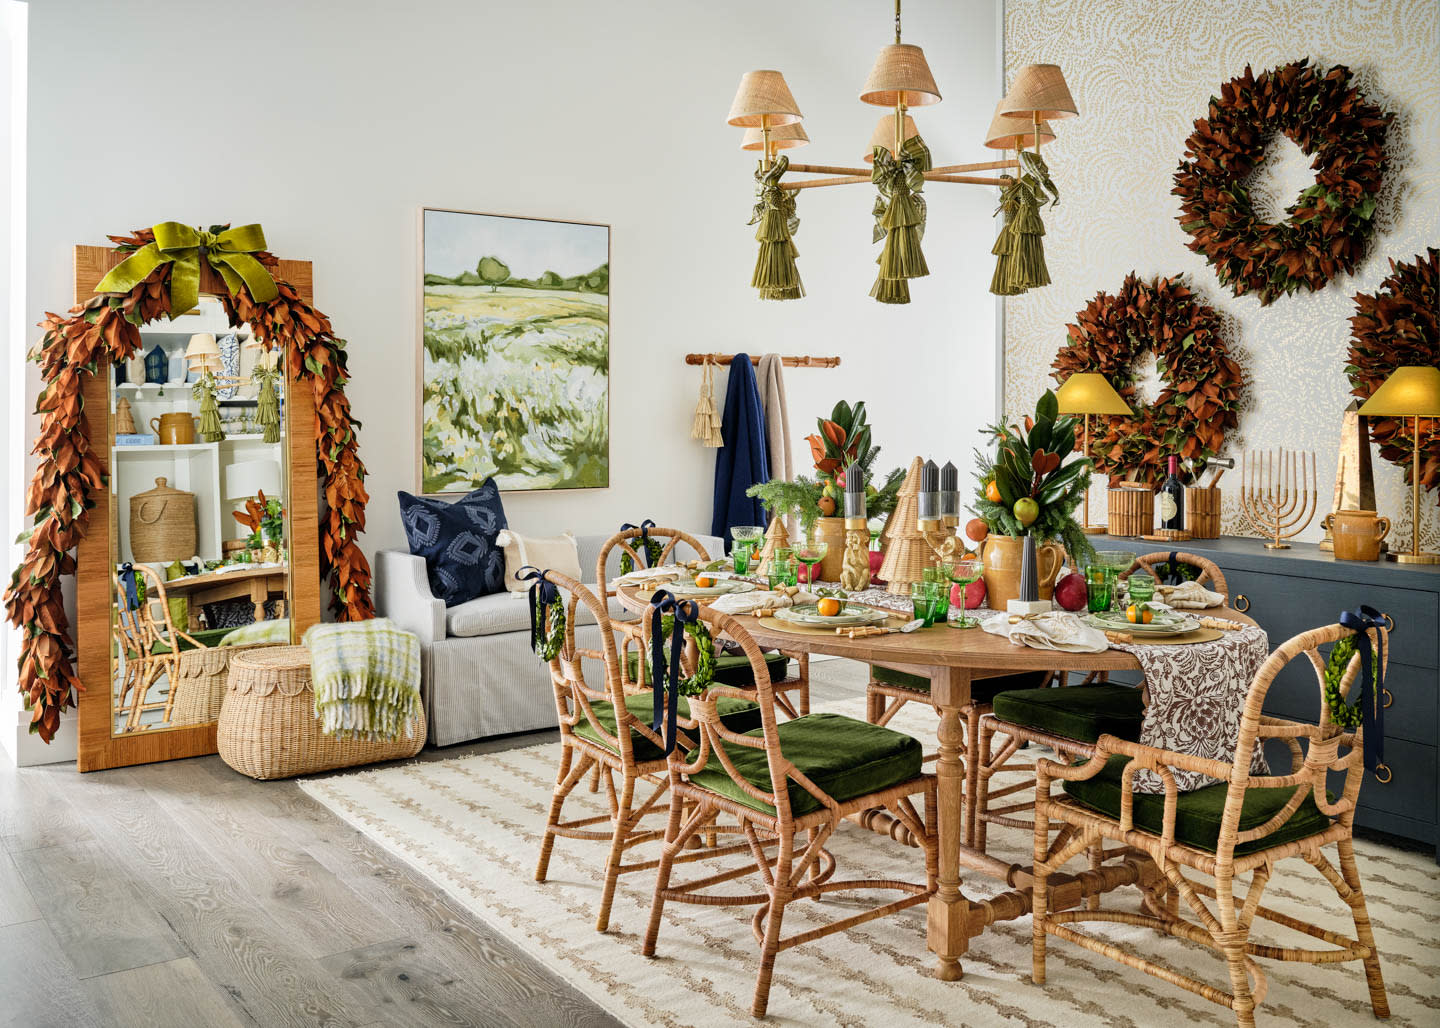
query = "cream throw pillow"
{"x": 558, "y": 553}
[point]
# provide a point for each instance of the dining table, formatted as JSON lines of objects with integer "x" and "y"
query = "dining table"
{"x": 952, "y": 659}
{"x": 257, "y": 583}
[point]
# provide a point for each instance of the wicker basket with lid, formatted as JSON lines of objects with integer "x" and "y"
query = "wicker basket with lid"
{"x": 268, "y": 727}
{"x": 162, "y": 524}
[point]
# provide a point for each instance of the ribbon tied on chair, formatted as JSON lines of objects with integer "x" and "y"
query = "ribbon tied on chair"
{"x": 127, "y": 579}
{"x": 644, "y": 527}
{"x": 229, "y": 251}
{"x": 1370, "y": 701}
{"x": 543, "y": 594}
{"x": 666, "y": 679}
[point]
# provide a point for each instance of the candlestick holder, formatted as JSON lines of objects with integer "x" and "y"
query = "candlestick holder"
{"x": 913, "y": 544}
{"x": 1278, "y": 493}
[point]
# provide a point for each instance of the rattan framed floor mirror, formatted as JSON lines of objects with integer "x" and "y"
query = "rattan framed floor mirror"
{"x": 205, "y": 539}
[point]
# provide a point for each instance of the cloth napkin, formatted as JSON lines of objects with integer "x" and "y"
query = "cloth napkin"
{"x": 1057, "y": 630}
{"x": 664, "y": 573}
{"x": 1191, "y": 596}
{"x": 747, "y": 603}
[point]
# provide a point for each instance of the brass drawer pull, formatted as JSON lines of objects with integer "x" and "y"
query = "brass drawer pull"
{"x": 1239, "y": 599}
{"x": 1386, "y": 698}
{"x": 1389, "y": 622}
{"x": 1385, "y": 768}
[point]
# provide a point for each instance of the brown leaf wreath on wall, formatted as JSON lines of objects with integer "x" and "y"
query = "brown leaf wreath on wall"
{"x": 1201, "y": 397}
{"x": 59, "y": 502}
{"x": 1325, "y": 229}
{"x": 1398, "y": 325}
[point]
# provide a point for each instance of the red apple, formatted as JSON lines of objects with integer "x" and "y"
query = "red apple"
{"x": 1070, "y": 591}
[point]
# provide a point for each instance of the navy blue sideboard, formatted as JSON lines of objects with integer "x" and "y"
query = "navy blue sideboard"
{"x": 1289, "y": 591}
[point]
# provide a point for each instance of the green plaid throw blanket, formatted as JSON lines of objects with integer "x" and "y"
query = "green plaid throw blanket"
{"x": 366, "y": 677}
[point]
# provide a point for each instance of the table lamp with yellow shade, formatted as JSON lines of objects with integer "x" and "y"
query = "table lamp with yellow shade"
{"x": 1087, "y": 393}
{"x": 1410, "y": 392}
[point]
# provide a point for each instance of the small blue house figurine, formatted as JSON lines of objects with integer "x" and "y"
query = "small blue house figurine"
{"x": 157, "y": 365}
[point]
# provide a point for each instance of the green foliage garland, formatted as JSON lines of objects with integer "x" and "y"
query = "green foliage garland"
{"x": 1342, "y": 713}
{"x": 553, "y": 635}
{"x": 705, "y": 661}
{"x": 653, "y": 551}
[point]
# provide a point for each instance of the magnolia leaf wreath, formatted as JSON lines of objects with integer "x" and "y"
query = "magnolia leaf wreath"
{"x": 1399, "y": 325}
{"x": 1324, "y": 230}
{"x": 1201, "y": 396}
{"x": 160, "y": 277}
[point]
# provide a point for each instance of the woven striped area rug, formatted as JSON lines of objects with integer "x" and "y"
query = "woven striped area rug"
{"x": 473, "y": 826}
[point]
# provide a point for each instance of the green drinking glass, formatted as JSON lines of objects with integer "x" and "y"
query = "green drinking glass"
{"x": 1099, "y": 581}
{"x": 740, "y": 554}
{"x": 962, "y": 573}
{"x": 1142, "y": 588}
{"x": 783, "y": 571}
{"x": 923, "y": 596}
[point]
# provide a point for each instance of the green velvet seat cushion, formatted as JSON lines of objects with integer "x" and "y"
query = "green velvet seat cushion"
{"x": 737, "y": 715}
{"x": 1079, "y": 712}
{"x": 730, "y": 669}
{"x": 205, "y": 637}
{"x": 982, "y": 690}
{"x": 1198, "y": 814}
{"x": 842, "y": 756}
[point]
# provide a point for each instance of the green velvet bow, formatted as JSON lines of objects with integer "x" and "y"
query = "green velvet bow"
{"x": 228, "y": 251}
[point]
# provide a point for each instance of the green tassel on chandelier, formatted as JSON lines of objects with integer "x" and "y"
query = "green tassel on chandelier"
{"x": 1020, "y": 249}
{"x": 899, "y": 218}
{"x": 775, "y": 276}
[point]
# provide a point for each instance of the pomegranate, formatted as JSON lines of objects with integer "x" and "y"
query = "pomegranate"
{"x": 1070, "y": 591}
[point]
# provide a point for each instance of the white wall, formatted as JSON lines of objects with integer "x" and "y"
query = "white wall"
{"x": 332, "y": 123}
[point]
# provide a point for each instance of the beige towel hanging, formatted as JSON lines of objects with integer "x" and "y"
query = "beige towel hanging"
{"x": 771, "y": 383}
{"x": 706, "y": 426}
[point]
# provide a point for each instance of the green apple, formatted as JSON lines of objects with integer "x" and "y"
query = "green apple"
{"x": 1026, "y": 511}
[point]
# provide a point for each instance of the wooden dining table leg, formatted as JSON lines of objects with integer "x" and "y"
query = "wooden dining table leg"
{"x": 948, "y": 926}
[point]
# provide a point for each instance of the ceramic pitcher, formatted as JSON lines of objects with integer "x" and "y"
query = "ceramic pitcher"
{"x": 1357, "y": 534}
{"x": 176, "y": 427}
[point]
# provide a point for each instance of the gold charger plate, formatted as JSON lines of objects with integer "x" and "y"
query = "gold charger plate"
{"x": 894, "y": 621}
{"x": 1198, "y": 635}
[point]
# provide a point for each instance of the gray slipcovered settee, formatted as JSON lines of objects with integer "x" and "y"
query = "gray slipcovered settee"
{"x": 478, "y": 676}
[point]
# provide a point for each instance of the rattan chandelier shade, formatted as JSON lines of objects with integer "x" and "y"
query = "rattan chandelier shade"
{"x": 901, "y": 75}
{"x": 783, "y": 137}
{"x": 1039, "y": 90}
{"x": 1004, "y": 128}
{"x": 884, "y": 135}
{"x": 763, "y": 99}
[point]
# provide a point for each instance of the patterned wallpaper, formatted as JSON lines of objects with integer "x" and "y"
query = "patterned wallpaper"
{"x": 1141, "y": 71}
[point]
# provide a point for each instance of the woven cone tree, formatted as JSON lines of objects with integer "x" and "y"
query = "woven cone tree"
{"x": 907, "y": 553}
{"x": 776, "y": 538}
{"x": 899, "y": 218}
{"x": 775, "y": 276}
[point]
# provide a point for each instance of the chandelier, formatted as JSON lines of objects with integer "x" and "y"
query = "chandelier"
{"x": 899, "y": 167}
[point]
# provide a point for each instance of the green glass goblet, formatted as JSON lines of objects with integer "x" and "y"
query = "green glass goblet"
{"x": 962, "y": 573}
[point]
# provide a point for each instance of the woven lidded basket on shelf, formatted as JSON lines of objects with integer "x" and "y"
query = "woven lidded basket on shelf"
{"x": 162, "y": 524}
{"x": 268, "y": 727}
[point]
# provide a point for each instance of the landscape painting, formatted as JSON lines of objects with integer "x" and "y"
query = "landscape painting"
{"x": 515, "y": 353}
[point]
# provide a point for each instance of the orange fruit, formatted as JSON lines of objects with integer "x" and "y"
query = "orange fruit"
{"x": 1138, "y": 616}
{"x": 828, "y": 607}
{"x": 704, "y": 581}
{"x": 992, "y": 491}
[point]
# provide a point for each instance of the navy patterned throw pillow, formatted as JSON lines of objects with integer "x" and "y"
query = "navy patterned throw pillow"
{"x": 457, "y": 541}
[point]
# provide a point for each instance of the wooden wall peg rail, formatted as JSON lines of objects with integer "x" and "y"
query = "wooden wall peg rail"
{"x": 722, "y": 359}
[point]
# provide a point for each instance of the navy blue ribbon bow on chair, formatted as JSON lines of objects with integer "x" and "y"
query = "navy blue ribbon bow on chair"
{"x": 1173, "y": 574}
{"x": 644, "y": 527}
{"x": 1371, "y": 701}
{"x": 127, "y": 579}
{"x": 667, "y": 680}
{"x": 543, "y": 592}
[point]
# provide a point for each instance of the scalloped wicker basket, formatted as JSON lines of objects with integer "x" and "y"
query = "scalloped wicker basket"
{"x": 268, "y": 727}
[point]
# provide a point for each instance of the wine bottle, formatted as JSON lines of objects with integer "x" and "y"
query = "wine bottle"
{"x": 1172, "y": 500}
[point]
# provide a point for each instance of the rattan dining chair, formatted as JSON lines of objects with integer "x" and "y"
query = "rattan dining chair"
{"x": 609, "y": 728}
{"x": 1242, "y": 823}
{"x": 157, "y": 642}
{"x": 730, "y": 669}
{"x": 784, "y": 780}
{"x": 1068, "y": 720}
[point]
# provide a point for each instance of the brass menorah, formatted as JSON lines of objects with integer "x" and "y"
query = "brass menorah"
{"x": 1278, "y": 493}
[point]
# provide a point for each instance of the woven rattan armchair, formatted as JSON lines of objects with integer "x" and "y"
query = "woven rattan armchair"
{"x": 730, "y": 670}
{"x": 1032, "y": 716}
{"x": 790, "y": 784}
{"x": 1244, "y": 823}
{"x": 607, "y": 728}
{"x": 155, "y": 643}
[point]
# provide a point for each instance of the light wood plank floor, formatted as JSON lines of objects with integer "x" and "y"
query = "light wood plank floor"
{"x": 185, "y": 894}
